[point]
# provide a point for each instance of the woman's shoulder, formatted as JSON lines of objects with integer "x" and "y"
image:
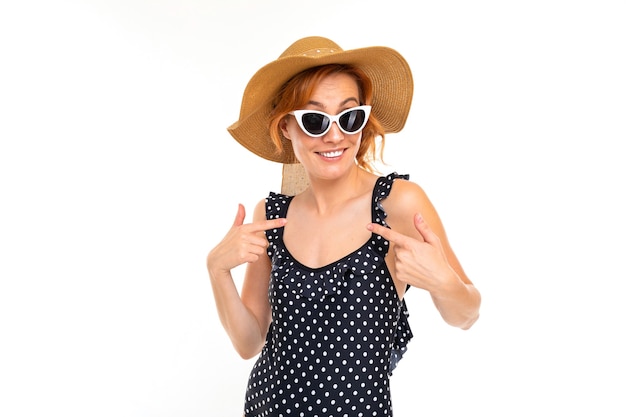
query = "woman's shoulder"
{"x": 405, "y": 191}
{"x": 406, "y": 198}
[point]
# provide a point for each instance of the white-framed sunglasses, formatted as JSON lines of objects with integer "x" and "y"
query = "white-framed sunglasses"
{"x": 316, "y": 123}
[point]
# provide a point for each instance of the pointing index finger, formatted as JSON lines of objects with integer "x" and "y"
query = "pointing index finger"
{"x": 384, "y": 232}
{"x": 269, "y": 224}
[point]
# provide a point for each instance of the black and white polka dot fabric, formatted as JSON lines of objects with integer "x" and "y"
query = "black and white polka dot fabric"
{"x": 337, "y": 332}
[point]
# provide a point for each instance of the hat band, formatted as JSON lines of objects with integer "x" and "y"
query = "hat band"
{"x": 320, "y": 51}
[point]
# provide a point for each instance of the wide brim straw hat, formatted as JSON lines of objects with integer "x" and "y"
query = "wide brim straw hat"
{"x": 388, "y": 70}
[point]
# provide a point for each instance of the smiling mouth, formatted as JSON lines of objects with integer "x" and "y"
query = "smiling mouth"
{"x": 332, "y": 154}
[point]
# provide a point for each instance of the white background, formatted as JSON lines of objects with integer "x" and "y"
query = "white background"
{"x": 117, "y": 176}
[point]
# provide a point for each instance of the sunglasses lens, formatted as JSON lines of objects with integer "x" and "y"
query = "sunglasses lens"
{"x": 352, "y": 120}
{"x": 315, "y": 123}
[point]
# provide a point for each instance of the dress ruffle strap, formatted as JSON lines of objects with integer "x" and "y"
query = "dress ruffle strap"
{"x": 403, "y": 329}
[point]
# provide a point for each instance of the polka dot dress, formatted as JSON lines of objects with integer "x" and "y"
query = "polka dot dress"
{"x": 337, "y": 332}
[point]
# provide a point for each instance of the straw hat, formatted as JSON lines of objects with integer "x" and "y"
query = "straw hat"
{"x": 390, "y": 74}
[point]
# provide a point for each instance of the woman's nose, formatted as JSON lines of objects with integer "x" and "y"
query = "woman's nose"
{"x": 334, "y": 134}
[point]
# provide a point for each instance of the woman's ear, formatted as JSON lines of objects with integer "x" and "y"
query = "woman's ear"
{"x": 283, "y": 128}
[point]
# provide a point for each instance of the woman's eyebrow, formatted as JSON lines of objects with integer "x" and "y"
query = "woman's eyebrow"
{"x": 346, "y": 101}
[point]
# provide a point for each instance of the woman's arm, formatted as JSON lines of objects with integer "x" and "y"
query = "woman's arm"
{"x": 245, "y": 318}
{"x": 423, "y": 257}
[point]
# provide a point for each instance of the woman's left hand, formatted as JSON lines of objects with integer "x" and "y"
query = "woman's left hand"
{"x": 421, "y": 264}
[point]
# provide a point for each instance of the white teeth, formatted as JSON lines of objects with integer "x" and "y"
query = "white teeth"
{"x": 331, "y": 154}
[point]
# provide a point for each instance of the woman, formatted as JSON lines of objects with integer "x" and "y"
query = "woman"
{"x": 327, "y": 269}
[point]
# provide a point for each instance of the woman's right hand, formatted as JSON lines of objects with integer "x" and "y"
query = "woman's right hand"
{"x": 243, "y": 243}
